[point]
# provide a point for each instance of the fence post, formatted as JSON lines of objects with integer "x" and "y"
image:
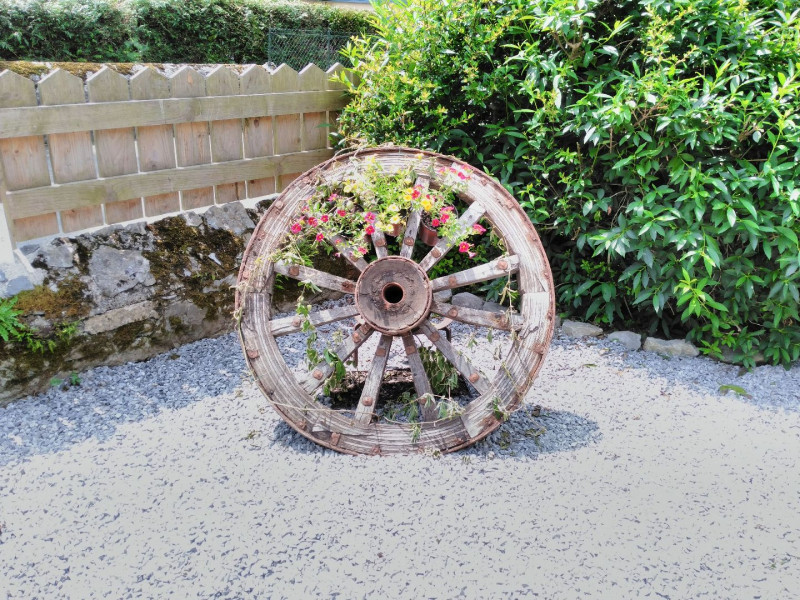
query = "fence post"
{"x": 6, "y": 239}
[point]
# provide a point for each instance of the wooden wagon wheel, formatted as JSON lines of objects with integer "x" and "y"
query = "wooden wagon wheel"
{"x": 384, "y": 284}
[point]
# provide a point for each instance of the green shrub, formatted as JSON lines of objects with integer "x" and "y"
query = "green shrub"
{"x": 654, "y": 143}
{"x": 174, "y": 31}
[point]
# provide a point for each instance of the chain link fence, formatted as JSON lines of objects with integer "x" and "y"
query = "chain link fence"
{"x": 298, "y": 47}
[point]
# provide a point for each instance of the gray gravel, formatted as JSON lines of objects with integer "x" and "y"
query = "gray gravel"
{"x": 173, "y": 478}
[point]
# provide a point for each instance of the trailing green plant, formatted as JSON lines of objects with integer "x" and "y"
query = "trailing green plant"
{"x": 655, "y": 144}
{"x": 443, "y": 376}
{"x": 14, "y": 331}
{"x": 199, "y": 31}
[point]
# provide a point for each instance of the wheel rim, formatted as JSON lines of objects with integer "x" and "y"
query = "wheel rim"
{"x": 397, "y": 303}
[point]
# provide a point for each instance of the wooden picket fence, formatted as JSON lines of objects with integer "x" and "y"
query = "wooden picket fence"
{"x": 77, "y": 155}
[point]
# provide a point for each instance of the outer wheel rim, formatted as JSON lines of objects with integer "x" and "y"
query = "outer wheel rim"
{"x": 329, "y": 428}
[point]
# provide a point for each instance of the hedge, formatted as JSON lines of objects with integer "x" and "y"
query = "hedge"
{"x": 654, "y": 143}
{"x": 160, "y": 31}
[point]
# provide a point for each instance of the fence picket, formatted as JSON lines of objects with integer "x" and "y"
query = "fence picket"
{"x": 156, "y": 147}
{"x": 287, "y": 127}
{"x": 258, "y": 136}
{"x": 333, "y": 115}
{"x": 191, "y": 139}
{"x": 315, "y": 133}
{"x": 116, "y": 150}
{"x": 71, "y": 154}
{"x": 226, "y": 136}
{"x": 24, "y": 161}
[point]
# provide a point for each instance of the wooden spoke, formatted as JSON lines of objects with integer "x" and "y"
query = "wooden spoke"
{"x": 421, "y": 383}
{"x": 294, "y": 323}
{"x": 474, "y": 316}
{"x": 342, "y": 246}
{"x": 412, "y": 224}
{"x": 318, "y": 278}
{"x": 322, "y": 370}
{"x": 465, "y": 221}
{"x": 491, "y": 270}
{"x": 372, "y": 385}
{"x": 457, "y": 360}
{"x": 379, "y": 241}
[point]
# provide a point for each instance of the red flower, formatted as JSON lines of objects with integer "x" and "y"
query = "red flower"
{"x": 415, "y": 194}
{"x": 479, "y": 228}
{"x": 341, "y": 212}
{"x": 312, "y": 221}
{"x": 369, "y": 230}
{"x": 324, "y": 218}
{"x": 436, "y": 222}
{"x": 461, "y": 175}
{"x": 320, "y": 237}
{"x": 370, "y": 217}
{"x": 464, "y": 247}
{"x": 444, "y": 217}
{"x": 305, "y": 209}
{"x": 296, "y": 228}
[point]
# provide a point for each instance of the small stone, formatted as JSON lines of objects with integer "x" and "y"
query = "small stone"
{"x": 670, "y": 347}
{"x": 17, "y": 285}
{"x": 231, "y": 217}
{"x": 114, "y": 271}
{"x": 578, "y": 329}
{"x": 443, "y": 296}
{"x": 2, "y": 276}
{"x": 468, "y": 300}
{"x": 629, "y": 339}
{"x": 192, "y": 219}
{"x": 493, "y": 307}
{"x": 57, "y": 255}
{"x": 490, "y": 455}
{"x": 118, "y": 317}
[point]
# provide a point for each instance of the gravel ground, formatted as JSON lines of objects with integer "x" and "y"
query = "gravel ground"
{"x": 173, "y": 478}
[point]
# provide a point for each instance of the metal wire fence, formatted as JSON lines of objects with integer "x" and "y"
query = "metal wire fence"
{"x": 298, "y": 47}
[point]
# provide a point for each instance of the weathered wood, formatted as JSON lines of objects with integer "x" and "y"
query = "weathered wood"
{"x": 87, "y": 193}
{"x": 465, "y": 221}
{"x": 343, "y": 246}
{"x": 322, "y": 370}
{"x": 473, "y": 316}
{"x": 340, "y": 430}
{"x": 379, "y": 241}
{"x": 71, "y": 154}
{"x": 226, "y": 136}
{"x": 318, "y": 278}
{"x": 24, "y": 161}
{"x": 422, "y": 384}
{"x": 115, "y": 148}
{"x": 19, "y": 122}
{"x": 192, "y": 144}
{"x": 156, "y": 145}
{"x": 372, "y": 384}
{"x": 412, "y": 224}
{"x": 315, "y": 132}
{"x": 259, "y": 139}
{"x": 294, "y": 323}
{"x": 500, "y": 267}
{"x": 464, "y": 367}
{"x": 333, "y": 115}
{"x": 287, "y": 127}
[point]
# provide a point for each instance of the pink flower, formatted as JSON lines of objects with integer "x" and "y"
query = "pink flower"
{"x": 461, "y": 175}
{"x": 415, "y": 194}
{"x": 471, "y": 254}
{"x": 370, "y": 217}
{"x": 369, "y": 230}
{"x": 436, "y": 222}
{"x": 362, "y": 251}
{"x": 312, "y": 221}
{"x": 464, "y": 247}
{"x": 296, "y": 228}
{"x": 333, "y": 197}
{"x": 320, "y": 237}
{"x": 341, "y": 212}
{"x": 479, "y": 228}
{"x": 305, "y": 209}
{"x": 448, "y": 209}
{"x": 324, "y": 218}
{"x": 444, "y": 217}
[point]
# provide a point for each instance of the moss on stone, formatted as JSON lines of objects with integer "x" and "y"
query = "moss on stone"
{"x": 67, "y": 303}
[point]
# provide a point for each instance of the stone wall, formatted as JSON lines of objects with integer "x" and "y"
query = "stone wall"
{"x": 126, "y": 293}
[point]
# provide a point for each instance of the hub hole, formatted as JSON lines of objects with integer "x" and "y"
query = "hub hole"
{"x": 393, "y": 293}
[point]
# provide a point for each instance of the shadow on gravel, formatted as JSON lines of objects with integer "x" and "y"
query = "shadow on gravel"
{"x": 111, "y": 396}
{"x": 522, "y": 436}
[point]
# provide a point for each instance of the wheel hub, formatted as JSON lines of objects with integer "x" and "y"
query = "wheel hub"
{"x": 393, "y": 295}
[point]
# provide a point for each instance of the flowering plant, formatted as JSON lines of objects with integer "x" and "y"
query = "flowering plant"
{"x": 371, "y": 199}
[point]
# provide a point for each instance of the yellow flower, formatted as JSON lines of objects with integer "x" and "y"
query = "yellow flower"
{"x": 426, "y": 204}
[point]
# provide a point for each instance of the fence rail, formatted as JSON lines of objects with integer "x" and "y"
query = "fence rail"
{"x": 75, "y": 156}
